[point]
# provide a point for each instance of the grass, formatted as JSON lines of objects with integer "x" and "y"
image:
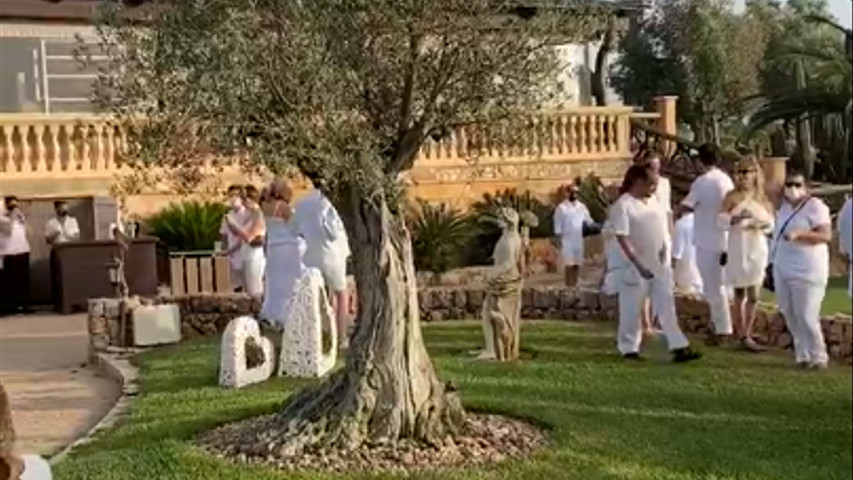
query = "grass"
{"x": 835, "y": 301}
{"x": 729, "y": 416}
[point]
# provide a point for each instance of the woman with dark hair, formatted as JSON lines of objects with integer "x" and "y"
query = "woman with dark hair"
{"x": 800, "y": 257}
{"x": 252, "y": 233}
{"x": 639, "y": 224}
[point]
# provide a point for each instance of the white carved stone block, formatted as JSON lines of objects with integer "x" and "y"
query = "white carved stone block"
{"x": 310, "y": 321}
{"x": 156, "y": 325}
{"x": 233, "y": 369}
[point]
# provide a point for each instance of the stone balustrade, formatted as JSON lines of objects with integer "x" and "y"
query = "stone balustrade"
{"x": 58, "y": 146}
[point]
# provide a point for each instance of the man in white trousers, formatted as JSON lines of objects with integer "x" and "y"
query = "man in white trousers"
{"x": 705, "y": 199}
{"x": 845, "y": 232}
{"x": 640, "y": 226}
{"x": 569, "y": 218}
{"x": 328, "y": 249}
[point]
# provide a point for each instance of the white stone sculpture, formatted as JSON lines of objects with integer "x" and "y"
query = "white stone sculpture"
{"x": 309, "y": 343}
{"x": 234, "y": 371}
{"x": 502, "y": 306}
{"x": 156, "y": 325}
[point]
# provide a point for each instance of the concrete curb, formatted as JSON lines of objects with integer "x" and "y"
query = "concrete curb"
{"x": 115, "y": 365}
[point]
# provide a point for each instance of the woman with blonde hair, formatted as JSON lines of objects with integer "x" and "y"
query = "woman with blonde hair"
{"x": 748, "y": 215}
{"x": 285, "y": 250}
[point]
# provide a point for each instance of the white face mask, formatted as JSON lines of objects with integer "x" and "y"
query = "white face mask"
{"x": 792, "y": 194}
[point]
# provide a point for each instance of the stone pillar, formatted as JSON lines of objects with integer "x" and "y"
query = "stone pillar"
{"x": 665, "y": 106}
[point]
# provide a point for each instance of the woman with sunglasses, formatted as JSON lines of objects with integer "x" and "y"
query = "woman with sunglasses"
{"x": 747, "y": 215}
{"x": 800, "y": 256}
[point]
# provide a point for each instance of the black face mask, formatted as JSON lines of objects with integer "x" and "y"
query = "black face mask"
{"x": 573, "y": 197}
{"x": 62, "y": 213}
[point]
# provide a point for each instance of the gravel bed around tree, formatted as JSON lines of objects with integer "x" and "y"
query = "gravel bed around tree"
{"x": 485, "y": 439}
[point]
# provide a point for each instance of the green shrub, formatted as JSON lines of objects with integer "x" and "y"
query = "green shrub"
{"x": 188, "y": 225}
{"x": 479, "y": 251}
{"x": 440, "y": 235}
{"x": 591, "y": 192}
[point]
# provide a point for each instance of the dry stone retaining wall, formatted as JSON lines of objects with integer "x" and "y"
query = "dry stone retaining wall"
{"x": 209, "y": 314}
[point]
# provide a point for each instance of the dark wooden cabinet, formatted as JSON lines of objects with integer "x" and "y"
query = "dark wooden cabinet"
{"x": 80, "y": 270}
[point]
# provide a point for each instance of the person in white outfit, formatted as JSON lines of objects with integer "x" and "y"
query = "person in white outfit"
{"x": 747, "y": 214}
{"x": 614, "y": 258}
{"x": 252, "y": 234}
{"x": 640, "y": 227}
{"x": 13, "y": 466}
{"x": 63, "y": 227}
{"x": 238, "y": 215}
{"x": 687, "y": 278}
{"x": 285, "y": 252}
{"x": 800, "y": 256}
{"x": 327, "y": 249}
{"x": 845, "y": 233}
{"x": 15, "y": 251}
{"x": 705, "y": 199}
{"x": 569, "y": 218}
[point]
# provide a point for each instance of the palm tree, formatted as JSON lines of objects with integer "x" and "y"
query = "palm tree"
{"x": 819, "y": 103}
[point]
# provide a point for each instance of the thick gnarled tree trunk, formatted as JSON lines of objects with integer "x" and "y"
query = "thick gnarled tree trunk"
{"x": 388, "y": 390}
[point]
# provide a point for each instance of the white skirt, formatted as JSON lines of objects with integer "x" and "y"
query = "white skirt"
{"x": 253, "y": 270}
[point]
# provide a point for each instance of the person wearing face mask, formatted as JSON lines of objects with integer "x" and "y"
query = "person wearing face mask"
{"x": 15, "y": 250}
{"x": 704, "y": 200}
{"x": 252, "y": 234}
{"x": 845, "y": 233}
{"x": 63, "y": 227}
{"x": 569, "y": 219}
{"x": 639, "y": 224}
{"x": 232, "y": 243}
{"x": 800, "y": 257}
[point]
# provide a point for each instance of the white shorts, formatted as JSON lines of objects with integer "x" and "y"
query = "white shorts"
{"x": 334, "y": 272}
{"x": 572, "y": 258}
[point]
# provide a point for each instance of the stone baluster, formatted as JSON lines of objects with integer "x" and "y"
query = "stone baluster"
{"x": 583, "y": 136}
{"x": 39, "y": 154}
{"x": 55, "y": 151}
{"x": 560, "y": 134}
{"x": 6, "y": 152}
{"x": 73, "y": 149}
{"x": 85, "y": 148}
{"x": 572, "y": 135}
{"x": 26, "y": 152}
{"x": 462, "y": 145}
{"x": 99, "y": 160}
{"x": 612, "y": 142}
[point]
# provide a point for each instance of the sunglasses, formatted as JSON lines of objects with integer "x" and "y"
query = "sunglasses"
{"x": 794, "y": 184}
{"x": 745, "y": 171}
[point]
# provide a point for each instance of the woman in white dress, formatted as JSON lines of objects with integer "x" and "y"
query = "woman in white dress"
{"x": 285, "y": 250}
{"x": 252, "y": 233}
{"x": 748, "y": 215}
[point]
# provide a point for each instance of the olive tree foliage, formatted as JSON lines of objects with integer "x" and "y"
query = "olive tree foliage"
{"x": 344, "y": 92}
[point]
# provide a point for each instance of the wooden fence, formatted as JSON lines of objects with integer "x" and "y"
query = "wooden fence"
{"x": 199, "y": 272}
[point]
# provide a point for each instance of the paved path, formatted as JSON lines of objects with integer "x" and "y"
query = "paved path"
{"x": 55, "y": 397}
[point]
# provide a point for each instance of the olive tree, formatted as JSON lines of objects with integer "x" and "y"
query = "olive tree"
{"x": 344, "y": 92}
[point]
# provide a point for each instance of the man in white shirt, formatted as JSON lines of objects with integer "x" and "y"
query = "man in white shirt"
{"x": 232, "y": 243}
{"x": 63, "y": 228}
{"x": 639, "y": 224}
{"x": 569, "y": 219}
{"x": 705, "y": 199}
{"x": 663, "y": 189}
{"x": 687, "y": 278}
{"x": 328, "y": 249}
{"x": 15, "y": 250}
{"x": 845, "y": 233}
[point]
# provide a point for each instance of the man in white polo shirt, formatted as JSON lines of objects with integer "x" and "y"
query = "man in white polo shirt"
{"x": 705, "y": 199}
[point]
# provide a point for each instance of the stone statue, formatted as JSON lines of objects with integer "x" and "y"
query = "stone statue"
{"x": 502, "y": 306}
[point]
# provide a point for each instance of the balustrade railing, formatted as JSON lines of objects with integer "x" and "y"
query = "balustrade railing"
{"x": 67, "y": 145}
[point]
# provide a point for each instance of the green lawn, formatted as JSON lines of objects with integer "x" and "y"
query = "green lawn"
{"x": 835, "y": 301}
{"x": 729, "y": 416}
